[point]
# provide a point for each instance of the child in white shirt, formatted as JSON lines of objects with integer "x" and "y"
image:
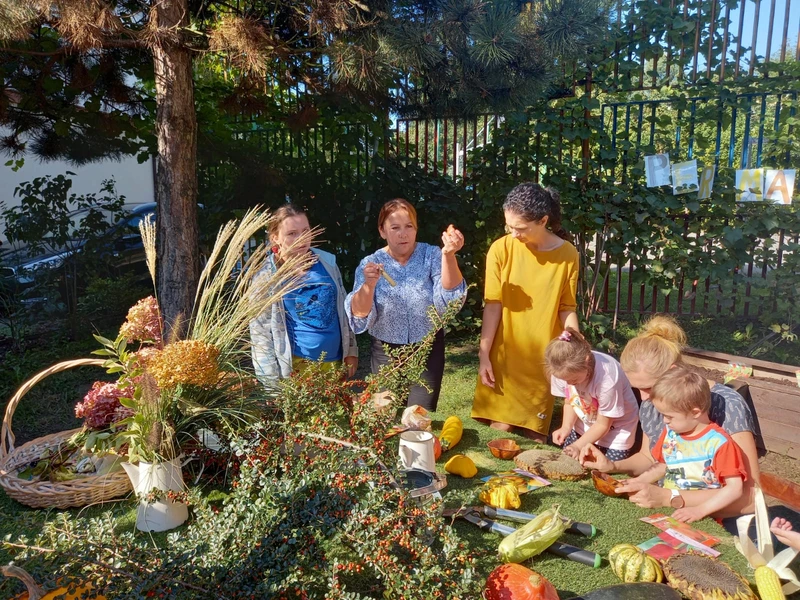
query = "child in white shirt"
{"x": 599, "y": 406}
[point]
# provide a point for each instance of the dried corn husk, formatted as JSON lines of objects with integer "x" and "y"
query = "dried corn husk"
{"x": 534, "y": 537}
{"x": 765, "y": 555}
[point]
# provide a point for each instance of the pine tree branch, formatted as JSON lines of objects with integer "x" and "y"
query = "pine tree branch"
{"x": 123, "y": 43}
{"x": 66, "y": 50}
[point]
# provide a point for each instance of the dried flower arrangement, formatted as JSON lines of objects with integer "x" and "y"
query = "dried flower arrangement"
{"x": 175, "y": 387}
{"x": 291, "y": 525}
{"x": 166, "y": 390}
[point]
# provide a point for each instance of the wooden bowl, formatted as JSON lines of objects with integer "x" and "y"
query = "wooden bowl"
{"x": 504, "y": 448}
{"x": 605, "y": 484}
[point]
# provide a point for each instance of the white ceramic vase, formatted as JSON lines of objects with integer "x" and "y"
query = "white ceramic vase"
{"x": 163, "y": 514}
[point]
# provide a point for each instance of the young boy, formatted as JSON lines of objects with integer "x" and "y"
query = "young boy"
{"x": 693, "y": 453}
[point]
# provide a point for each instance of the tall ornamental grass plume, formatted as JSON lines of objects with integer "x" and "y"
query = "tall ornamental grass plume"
{"x": 203, "y": 381}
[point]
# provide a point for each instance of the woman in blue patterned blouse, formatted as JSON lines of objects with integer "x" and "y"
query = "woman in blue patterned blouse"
{"x": 423, "y": 276}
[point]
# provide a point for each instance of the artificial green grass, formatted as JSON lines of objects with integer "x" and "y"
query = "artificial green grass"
{"x": 616, "y": 519}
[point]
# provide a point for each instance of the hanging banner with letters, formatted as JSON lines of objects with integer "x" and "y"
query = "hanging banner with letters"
{"x": 656, "y": 168}
{"x": 779, "y": 185}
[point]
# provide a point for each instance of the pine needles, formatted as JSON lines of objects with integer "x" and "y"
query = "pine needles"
{"x": 15, "y": 18}
{"x": 245, "y": 41}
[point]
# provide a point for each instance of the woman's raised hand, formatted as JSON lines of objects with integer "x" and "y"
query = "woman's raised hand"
{"x": 452, "y": 240}
{"x": 372, "y": 272}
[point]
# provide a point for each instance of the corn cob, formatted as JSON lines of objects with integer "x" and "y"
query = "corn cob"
{"x": 769, "y": 586}
{"x": 533, "y": 537}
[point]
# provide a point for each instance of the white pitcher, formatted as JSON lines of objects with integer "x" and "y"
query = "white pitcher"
{"x": 162, "y": 514}
{"x": 416, "y": 451}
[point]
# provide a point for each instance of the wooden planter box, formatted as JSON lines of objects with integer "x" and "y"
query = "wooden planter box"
{"x": 772, "y": 393}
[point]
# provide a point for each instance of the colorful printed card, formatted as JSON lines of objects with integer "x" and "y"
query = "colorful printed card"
{"x": 737, "y": 371}
{"x": 670, "y": 542}
{"x": 684, "y": 177}
{"x": 665, "y": 523}
{"x": 525, "y": 480}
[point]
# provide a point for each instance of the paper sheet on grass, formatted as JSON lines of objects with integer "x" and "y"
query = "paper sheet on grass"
{"x": 670, "y": 542}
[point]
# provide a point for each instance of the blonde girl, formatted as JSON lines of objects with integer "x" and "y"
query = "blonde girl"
{"x": 599, "y": 406}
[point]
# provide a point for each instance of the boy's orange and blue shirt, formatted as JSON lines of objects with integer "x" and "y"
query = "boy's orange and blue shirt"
{"x": 699, "y": 461}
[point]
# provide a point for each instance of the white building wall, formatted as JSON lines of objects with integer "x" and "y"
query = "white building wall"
{"x": 133, "y": 180}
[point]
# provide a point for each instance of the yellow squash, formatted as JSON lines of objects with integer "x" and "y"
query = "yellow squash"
{"x": 461, "y": 465}
{"x": 451, "y": 432}
{"x": 631, "y": 564}
{"x": 500, "y": 494}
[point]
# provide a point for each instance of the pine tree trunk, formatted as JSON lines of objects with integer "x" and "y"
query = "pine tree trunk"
{"x": 176, "y": 175}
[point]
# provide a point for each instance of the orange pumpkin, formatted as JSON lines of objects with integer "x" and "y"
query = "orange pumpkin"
{"x": 515, "y": 582}
{"x": 437, "y": 448}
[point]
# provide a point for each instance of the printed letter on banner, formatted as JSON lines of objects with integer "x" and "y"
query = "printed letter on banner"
{"x": 779, "y": 185}
{"x": 706, "y": 182}
{"x": 748, "y": 184}
{"x": 657, "y": 170}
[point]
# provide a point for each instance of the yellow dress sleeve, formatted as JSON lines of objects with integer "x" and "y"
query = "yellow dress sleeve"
{"x": 569, "y": 291}
{"x": 494, "y": 260}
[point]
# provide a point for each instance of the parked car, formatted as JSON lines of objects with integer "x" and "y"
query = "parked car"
{"x": 119, "y": 249}
{"x": 122, "y": 245}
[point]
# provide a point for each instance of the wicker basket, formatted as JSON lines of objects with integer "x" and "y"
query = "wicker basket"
{"x": 80, "y": 491}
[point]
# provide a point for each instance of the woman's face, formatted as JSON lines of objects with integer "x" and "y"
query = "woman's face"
{"x": 523, "y": 230}
{"x": 400, "y": 234}
{"x": 288, "y": 233}
{"x": 643, "y": 381}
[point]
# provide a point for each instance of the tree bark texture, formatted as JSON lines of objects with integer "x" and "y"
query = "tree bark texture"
{"x": 176, "y": 172}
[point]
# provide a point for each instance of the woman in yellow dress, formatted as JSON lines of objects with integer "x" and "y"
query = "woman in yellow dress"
{"x": 531, "y": 281}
